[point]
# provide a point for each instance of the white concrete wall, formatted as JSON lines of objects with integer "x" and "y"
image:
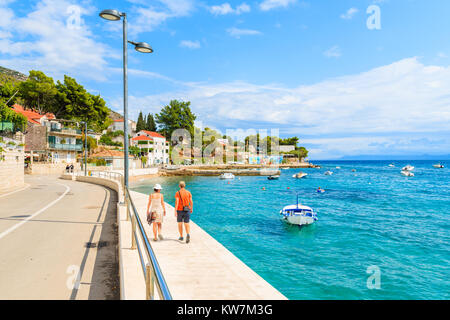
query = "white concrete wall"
{"x": 11, "y": 171}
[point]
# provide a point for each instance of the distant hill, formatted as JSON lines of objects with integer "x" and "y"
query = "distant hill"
{"x": 13, "y": 74}
{"x": 114, "y": 115}
{"x": 398, "y": 157}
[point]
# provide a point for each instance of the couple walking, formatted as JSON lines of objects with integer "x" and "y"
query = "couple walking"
{"x": 156, "y": 210}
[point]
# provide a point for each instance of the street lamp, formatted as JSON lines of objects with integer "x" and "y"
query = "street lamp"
{"x": 114, "y": 15}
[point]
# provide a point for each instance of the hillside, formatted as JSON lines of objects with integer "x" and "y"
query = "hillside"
{"x": 13, "y": 74}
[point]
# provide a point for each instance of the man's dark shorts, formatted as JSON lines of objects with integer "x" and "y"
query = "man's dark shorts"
{"x": 183, "y": 216}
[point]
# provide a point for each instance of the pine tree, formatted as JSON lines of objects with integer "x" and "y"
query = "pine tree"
{"x": 140, "y": 125}
{"x": 151, "y": 125}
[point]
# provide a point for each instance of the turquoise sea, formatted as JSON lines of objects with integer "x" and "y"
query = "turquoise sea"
{"x": 371, "y": 217}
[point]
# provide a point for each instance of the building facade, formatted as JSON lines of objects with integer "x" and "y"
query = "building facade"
{"x": 47, "y": 140}
{"x": 152, "y": 145}
{"x": 117, "y": 125}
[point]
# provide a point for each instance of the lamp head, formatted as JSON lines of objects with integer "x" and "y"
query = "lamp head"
{"x": 143, "y": 47}
{"x": 111, "y": 15}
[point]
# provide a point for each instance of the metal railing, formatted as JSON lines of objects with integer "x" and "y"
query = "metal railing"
{"x": 66, "y": 146}
{"x": 139, "y": 240}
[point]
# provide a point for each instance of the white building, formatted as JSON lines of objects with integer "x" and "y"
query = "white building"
{"x": 153, "y": 145}
{"x": 118, "y": 125}
{"x": 286, "y": 148}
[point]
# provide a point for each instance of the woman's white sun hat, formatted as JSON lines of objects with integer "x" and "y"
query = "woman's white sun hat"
{"x": 157, "y": 186}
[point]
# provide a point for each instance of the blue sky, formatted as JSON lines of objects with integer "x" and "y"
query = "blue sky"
{"x": 308, "y": 68}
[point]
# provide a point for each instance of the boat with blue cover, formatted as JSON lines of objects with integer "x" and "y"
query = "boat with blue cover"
{"x": 298, "y": 214}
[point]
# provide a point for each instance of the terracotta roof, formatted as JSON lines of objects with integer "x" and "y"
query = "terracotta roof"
{"x": 108, "y": 154}
{"x": 118, "y": 120}
{"x": 152, "y": 134}
{"x": 142, "y": 138}
{"x": 31, "y": 115}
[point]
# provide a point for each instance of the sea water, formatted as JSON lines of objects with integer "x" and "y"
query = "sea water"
{"x": 380, "y": 235}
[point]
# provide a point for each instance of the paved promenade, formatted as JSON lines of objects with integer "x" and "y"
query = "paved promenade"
{"x": 43, "y": 234}
{"x": 202, "y": 269}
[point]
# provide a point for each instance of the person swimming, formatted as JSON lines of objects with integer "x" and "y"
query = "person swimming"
{"x": 320, "y": 190}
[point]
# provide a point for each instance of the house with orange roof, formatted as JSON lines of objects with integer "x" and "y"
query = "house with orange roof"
{"x": 113, "y": 158}
{"x": 152, "y": 145}
{"x": 117, "y": 125}
{"x": 48, "y": 139}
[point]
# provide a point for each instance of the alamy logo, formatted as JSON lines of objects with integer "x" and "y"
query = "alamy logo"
{"x": 374, "y": 280}
{"x": 73, "y": 281}
{"x": 374, "y": 20}
{"x": 74, "y": 19}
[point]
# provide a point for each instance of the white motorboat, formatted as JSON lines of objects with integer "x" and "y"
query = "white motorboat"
{"x": 298, "y": 214}
{"x": 338, "y": 167}
{"x": 328, "y": 173}
{"x": 299, "y": 175}
{"x": 408, "y": 168}
{"x": 438, "y": 165}
{"x": 227, "y": 175}
{"x": 407, "y": 173}
{"x": 274, "y": 177}
{"x": 391, "y": 165}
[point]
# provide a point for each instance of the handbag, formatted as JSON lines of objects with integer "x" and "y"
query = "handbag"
{"x": 185, "y": 208}
{"x": 151, "y": 217}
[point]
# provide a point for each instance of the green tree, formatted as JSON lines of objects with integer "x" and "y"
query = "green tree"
{"x": 151, "y": 124}
{"x": 38, "y": 92}
{"x": 176, "y": 115}
{"x": 140, "y": 124}
{"x": 289, "y": 141}
{"x": 9, "y": 90}
{"x": 75, "y": 103}
{"x": 133, "y": 150}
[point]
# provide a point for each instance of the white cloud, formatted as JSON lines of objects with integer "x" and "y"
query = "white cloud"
{"x": 267, "y": 5}
{"x": 53, "y": 42}
{"x": 242, "y": 8}
{"x": 391, "y": 107}
{"x": 190, "y": 44}
{"x": 226, "y": 8}
{"x": 237, "y": 33}
{"x": 333, "y": 52}
{"x": 149, "y": 17}
{"x": 349, "y": 14}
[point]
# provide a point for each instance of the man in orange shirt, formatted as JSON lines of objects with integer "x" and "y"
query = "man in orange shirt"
{"x": 183, "y": 210}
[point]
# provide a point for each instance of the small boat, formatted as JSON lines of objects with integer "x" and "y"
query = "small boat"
{"x": 391, "y": 165}
{"x": 227, "y": 175}
{"x": 299, "y": 175}
{"x": 338, "y": 167}
{"x": 408, "y": 168}
{"x": 328, "y": 173}
{"x": 438, "y": 166}
{"x": 407, "y": 173}
{"x": 275, "y": 177}
{"x": 298, "y": 214}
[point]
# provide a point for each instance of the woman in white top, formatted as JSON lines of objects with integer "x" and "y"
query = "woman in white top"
{"x": 157, "y": 208}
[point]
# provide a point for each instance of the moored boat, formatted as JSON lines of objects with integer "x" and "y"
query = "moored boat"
{"x": 227, "y": 175}
{"x": 275, "y": 177}
{"x": 407, "y": 173}
{"x": 328, "y": 173}
{"x": 298, "y": 214}
{"x": 438, "y": 166}
{"x": 299, "y": 175}
{"x": 408, "y": 168}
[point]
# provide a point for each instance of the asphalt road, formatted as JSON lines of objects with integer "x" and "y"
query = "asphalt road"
{"x": 45, "y": 231}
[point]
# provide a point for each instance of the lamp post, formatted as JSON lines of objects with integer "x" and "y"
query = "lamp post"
{"x": 114, "y": 15}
